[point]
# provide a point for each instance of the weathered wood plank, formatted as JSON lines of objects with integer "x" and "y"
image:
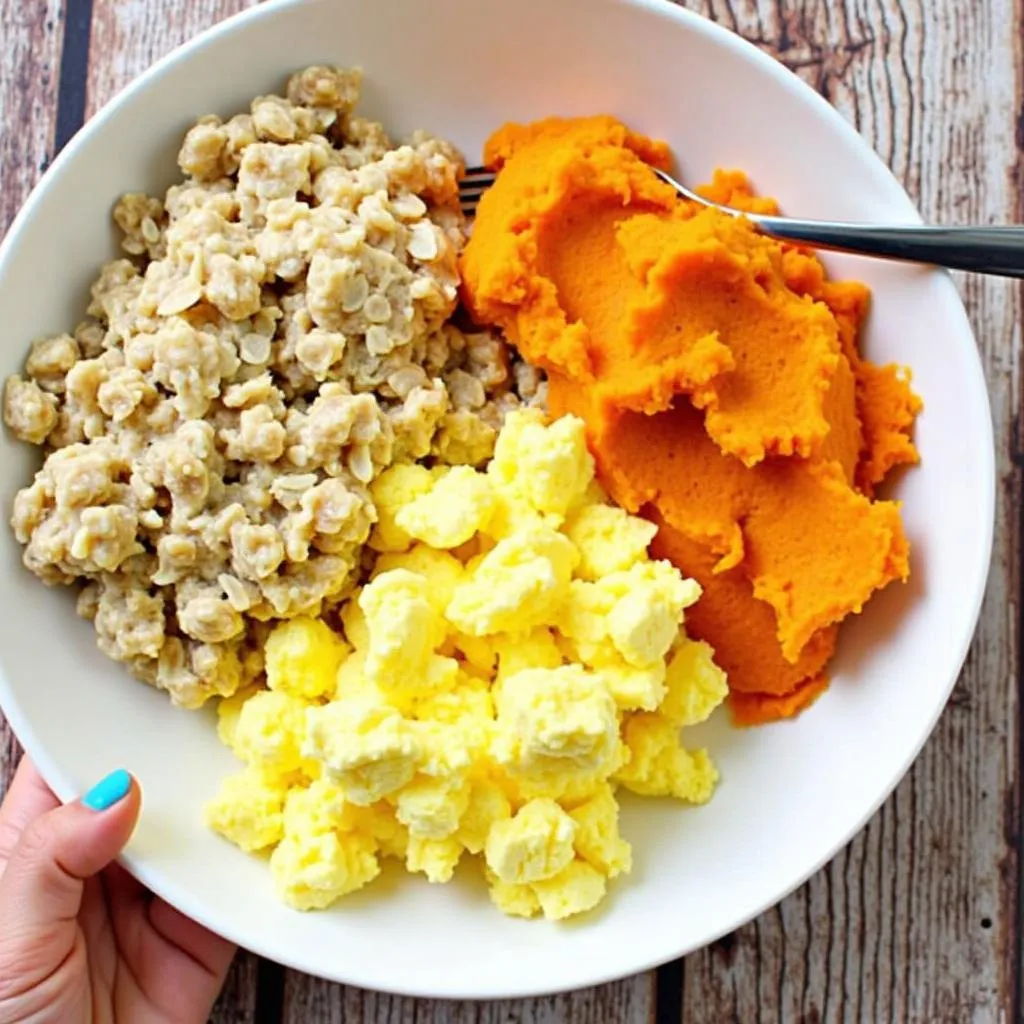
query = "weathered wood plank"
{"x": 29, "y": 73}
{"x": 239, "y": 999}
{"x": 917, "y": 919}
{"x": 129, "y": 35}
{"x": 307, "y": 999}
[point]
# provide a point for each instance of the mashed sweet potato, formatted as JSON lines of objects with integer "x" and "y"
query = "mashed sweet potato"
{"x": 718, "y": 373}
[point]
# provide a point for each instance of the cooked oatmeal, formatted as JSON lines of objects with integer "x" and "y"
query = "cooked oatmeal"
{"x": 277, "y": 334}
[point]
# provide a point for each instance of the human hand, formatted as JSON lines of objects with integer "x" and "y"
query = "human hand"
{"x": 80, "y": 939}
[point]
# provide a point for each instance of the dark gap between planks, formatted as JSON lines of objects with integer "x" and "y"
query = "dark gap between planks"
{"x": 269, "y": 993}
{"x": 74, "y": 71}
{"x": 668, "y": 993}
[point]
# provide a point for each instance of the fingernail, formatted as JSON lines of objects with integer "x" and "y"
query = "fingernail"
{"x": 107, "y": 792}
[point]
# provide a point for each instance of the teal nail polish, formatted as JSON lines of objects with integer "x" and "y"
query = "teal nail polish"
{"x": 108, "y": 791}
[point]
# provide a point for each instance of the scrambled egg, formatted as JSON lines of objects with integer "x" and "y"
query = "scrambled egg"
{"x": 512, "y": 659}
{"x": 533, "y": 845}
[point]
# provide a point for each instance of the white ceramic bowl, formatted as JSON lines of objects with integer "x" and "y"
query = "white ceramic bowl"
{"x": 791, "y": 795}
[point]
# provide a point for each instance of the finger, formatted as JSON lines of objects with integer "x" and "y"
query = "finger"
{"x": 42, "y": 884}
{"x": 123, "y": 889}
{"x": 209, "y": 951}
{"x": 94, "y": 925}
{"x": 27, "y": 798}
{"x": 173, "y": 960}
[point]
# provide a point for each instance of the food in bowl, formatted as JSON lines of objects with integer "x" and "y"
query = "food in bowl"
{"x": 720, "y": 379}
{"x": 293, "y": 477}
{"x": 276, "y": 335}
{"x": 261, "y": 460}
{"x": 514, "y": 657}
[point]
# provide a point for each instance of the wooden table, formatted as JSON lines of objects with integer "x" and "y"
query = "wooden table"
{"x": 918, "y": 920}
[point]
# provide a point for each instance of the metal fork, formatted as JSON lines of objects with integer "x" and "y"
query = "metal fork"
{"x": 983, "y": 250}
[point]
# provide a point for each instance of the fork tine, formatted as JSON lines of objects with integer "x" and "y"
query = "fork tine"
{"x": 475, "y": 182}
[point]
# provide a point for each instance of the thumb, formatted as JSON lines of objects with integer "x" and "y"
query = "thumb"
{"x": 42, "y": 885}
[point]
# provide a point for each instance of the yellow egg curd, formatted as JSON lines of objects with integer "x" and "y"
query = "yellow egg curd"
{"x": 513, "y": 658}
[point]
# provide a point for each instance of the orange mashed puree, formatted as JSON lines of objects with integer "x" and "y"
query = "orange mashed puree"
{"x": 719, "y": 376}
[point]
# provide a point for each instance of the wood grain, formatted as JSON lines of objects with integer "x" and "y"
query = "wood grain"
{"x": 29, "y": 66}
{"x": 917, "y": 919}
{"x": 307, "y": 999}
{"x": 129, "y": 35}
{"x": 29, "y": 63}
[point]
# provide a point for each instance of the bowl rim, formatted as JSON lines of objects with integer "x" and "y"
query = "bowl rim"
{"x": 165, "y": 888}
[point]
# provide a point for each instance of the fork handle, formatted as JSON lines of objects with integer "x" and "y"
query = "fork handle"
{"x": 983, "y": 250}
